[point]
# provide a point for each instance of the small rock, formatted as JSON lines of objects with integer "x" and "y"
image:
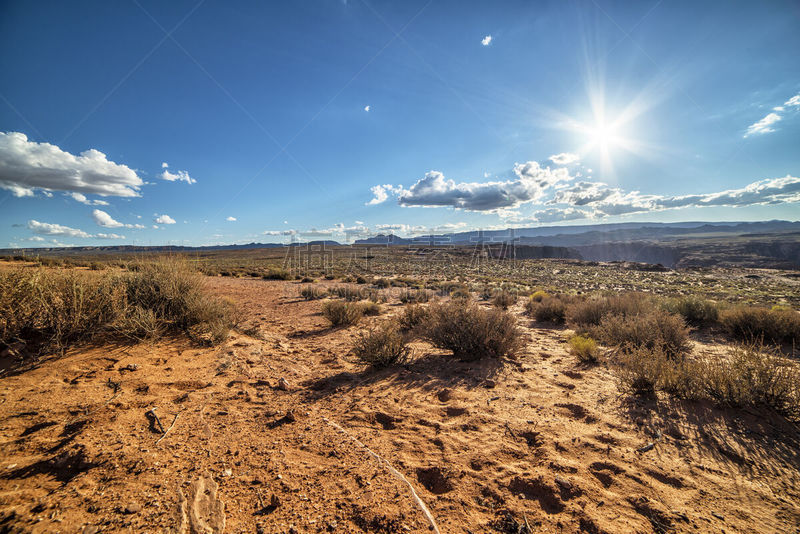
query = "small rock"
{"x": 445, "y": 395}
{"x": 132, "y": 508}
{"x": 332, "y": 525}
{"x": 11, "y": 466}
{"x": 489, "y": 384}
{"x": 718, "y": 516}
{"x": 283, "y": 385}
{"x": 227, "y": 472}
{"x": 130, "y": 367}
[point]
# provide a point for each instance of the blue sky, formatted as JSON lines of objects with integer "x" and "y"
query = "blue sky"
{"x": 208, "y": 122}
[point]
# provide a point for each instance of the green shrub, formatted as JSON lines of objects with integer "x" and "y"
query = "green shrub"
{"x": 539, "y": 295}
{"x": 382, "y": 346}
{"x": 695, "y": 311}
{"x": 470, "y": 331}
{"x": 342, "y": 313}
{"x": 754, "y": 324}
{"x": 585, "y": 348}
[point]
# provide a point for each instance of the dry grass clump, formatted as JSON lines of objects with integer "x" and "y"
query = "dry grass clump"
{"x": 370, "y": 308}
{"x": 583, "y": 314}
{"x": 412, "y": 317}
{"x": 381, "y": 346}
{"x": 470, "y": 331}
{"x": 585, "y": 348}
{"x": 49, "y": 310}
{"x": 503, "y": 299}
{"x": 548, "y": 309}
{"x": 312, "y": 292}
{"x": 696, "y": 311}
{"x": 342, "y": 313}
{"x": 770, "y": 325}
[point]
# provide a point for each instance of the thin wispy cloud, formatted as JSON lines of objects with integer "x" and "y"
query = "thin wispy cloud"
{"x": 53, "y": 229}
{"x": 80, "y": 197}
{"x": 565, "y": 158}
{"x": 763, "y": 126}
{"x": 231, "y": 219}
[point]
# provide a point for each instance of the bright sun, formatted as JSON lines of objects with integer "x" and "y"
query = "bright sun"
{"x": 603, "y": 136}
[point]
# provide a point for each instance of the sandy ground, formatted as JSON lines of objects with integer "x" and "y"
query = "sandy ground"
{"x": 281, "y": 432}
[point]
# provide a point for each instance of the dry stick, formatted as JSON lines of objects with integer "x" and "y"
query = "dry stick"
{"x": 392, "y": 470}
{"x": 170, "y": 427}
{"x": 153, "y": 412}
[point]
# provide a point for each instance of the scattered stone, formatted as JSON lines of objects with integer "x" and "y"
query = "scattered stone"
{"x": 718, "y": 516}
{"x": 332, "y": 525}
{"x": 445, "y": 395}
{"x": 227, "y": 472}
{"x": 132, "y": 508}
{"x": 130, "y": 367}
{"x": 283, "y": 385}
{"x": 489, "y": 384}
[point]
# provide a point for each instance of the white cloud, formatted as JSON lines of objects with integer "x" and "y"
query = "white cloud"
{"x": 764, "y": 125}
{"x": 109, "y": 236}
{"x": 231, "y": 219}
{"x": 55, "y": 229}
{"x": 36, "y": 238}
{"x": 550, "y": 215}
{"x": 80, "y": 197}
{"x": 794, "y": 101}
{"x": 366, "y": 108}
{"x": 381, "y": 192}
{"x": 486, "y": 40}
{"x": 280, "y": 232}
{"x": 101, "y": 218}
{"x": 181, "y": 176}
{"x": 565, "y": 158}
{"x": 530, "y": 184}
{"x": 164, "y": 219}
{"x": 26, "y": 166}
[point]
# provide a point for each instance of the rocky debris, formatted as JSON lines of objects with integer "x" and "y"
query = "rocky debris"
{"x": 282, "y": 385}
{"x": 445, "y": 395}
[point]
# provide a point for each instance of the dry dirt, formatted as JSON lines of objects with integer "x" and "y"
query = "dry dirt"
{"x": 488, "y": 447}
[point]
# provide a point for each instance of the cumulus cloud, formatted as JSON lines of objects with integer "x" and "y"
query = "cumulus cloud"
{"x": 380, "y": 193}
{"x": 486, "y": 41}
{"x": 231, "y": 219}
{"x": 366, "y": 108}
{"x": 180, "y": 176}
{"x": 80, "y": 197}
{"x": 530, "y": 184}
{"x": 164, "y": 219}
{"x": 101, "y": 218}
{"x": 565, "y": 158}
{"x": 280, "y": 232}
{"x": 26, "y": 166}
{"x": 763, "y": 126}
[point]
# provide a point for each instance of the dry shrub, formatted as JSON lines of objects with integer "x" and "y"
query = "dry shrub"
{"x": 381, "y": 346}
{"x": 311, "y": 292}
{"x": 342, "y": 313}
{"x": 470, "y": 331}
{"x": 583, "y": 314}
{"x": 754, "y": 324}
{"x": 655, "y": 328}
{"x": 412, "y": 317}
{"x": 461, "y": 293}
{"x": 750, "y": 376}
{"x": 277, "y": 274}
{"x": 547, "y": 310}
{"x": 695, "y": 311}
{"x": 503, "y": 299}
{"x": 585, "y": 348}
{"x": 753, "y": 375}
{"x": 415, "y": 295}
{"x": 49, "y": 310}
{"x": 370, "y": 308}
